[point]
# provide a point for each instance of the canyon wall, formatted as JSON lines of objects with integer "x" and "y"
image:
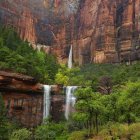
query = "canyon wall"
{"x": 107, "y": 31}
{"x": 16, "y": 14}
{"x": 99, "y": 31}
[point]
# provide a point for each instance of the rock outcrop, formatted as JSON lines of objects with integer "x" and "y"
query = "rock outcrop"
{"x": 23, "y": 98}
{"x": 19, "y": 83}
{"x": 100, "y": 31}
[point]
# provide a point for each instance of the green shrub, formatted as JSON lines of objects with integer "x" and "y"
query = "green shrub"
{"x": 136, "y": 136}
{"x": 77, "y": 135}
{"x": 134, "y": 128}
{"x": 50, "y": 131}
{"x": 121, "y": 131}
{"x": 21, "y": 134}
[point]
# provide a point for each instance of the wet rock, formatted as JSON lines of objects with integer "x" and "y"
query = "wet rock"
{"x": 23, "y": 98}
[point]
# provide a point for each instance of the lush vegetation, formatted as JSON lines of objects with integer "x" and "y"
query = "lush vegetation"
{"x": 94, "y": 74}
{"x": 98, "y": 112}
{"x": 19, "y": 56}
{"x": 111, "y": 111}
{"x": 108, "y": 99}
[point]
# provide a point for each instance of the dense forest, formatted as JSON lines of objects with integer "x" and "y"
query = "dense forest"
{"x": 108, "y": 97}
{"x": 19, "y": 56}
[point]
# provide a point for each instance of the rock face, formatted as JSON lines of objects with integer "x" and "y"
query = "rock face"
{"x": 107, "y": 31}
{"x": 23, "y": 98}
{"x": 19, "y": 83}
{"x": 18, "y": 15}
{"x": 100, "y": 31}
{"x": 57, "y": 109}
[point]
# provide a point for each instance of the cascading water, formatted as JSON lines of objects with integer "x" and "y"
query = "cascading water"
{"x": 46, "y": 111}
{"x": 70, "y": 58}
{"x": 70, "y": 100}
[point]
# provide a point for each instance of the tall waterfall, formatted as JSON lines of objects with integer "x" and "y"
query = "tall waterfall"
{"x": 47, "y": 91}
{"x": 70, "y": 100}
{"x": 70, "y": 58}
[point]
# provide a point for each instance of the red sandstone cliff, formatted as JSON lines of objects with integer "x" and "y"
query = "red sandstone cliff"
{"x": 23, "y": 98}
{"x": 100, "y": 31}
{"x": 14, "y": 82}
{"x": 18, "y": 15}
{"x": 108, "y": 31}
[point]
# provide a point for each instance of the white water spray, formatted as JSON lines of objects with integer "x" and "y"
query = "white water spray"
{"x": 46, "y": 111}
{"x": 70, "y": 100}
{"x": 70, "y": 58}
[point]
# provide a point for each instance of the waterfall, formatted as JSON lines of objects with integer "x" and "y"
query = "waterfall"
{"x": 46, "y": 111}
{"x": 70, "y": 100}
{"x": 70, "y": 58}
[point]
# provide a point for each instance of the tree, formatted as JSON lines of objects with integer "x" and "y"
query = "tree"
{"x": 61, "y": 79}
{"x": 19, "y": 56}
{"x": 90, "y": 107}
{"x": 3, "y": 120}
{"x": 110, "y": 113}
{"x": 128, "y": 103}
{"x": 105, "y": 85}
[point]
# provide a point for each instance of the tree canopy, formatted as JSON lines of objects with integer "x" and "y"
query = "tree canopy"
{"x": 19, "y": 56}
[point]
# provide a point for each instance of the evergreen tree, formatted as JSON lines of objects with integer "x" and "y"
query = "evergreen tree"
{"x": 3, "y": 120}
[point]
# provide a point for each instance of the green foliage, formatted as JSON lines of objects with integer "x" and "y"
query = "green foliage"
{"x": 6, "y": 127}
{"x": 111, "y": 96}
{"x": 120, "y": 131}
{"x": 19, "y": 56}
{"x": 78, "y": 135}
{"x": 134, "y": 126}
{"x": 89, "y": 106}
{"x": 3, "y": 120}
{"x": 2, "y": 110}
{"x": 136, "y": 136}
{"x": 95, "y": 110}
{"x": 51, "y": 131}
{"x": 61, "y": 79}
{"x": 128, "y": 103}
{"x": 21, "y": 134}
{"x": 90, "y": 75}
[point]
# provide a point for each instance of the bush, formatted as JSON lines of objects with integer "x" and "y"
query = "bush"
{"x": 78, "y": 135}
{"x": 21, "y": 134}
{"x": 136, "y": 136}
{"x": 50, "y": 131}
{"x": 121, "y": 131}
{"x": 134, "y": 128}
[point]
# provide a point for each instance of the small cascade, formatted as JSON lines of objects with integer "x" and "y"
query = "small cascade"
{"x": 70, "y": 58}
{"x": 70, "y": 100}
{"x": 47, "y": 91}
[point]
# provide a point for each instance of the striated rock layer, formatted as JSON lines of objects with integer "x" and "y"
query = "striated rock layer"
{"x": 107, "y": 31}
{"x": 100, "y": 31}
{"x": 17, "y": 14}
{"x": 23, "y": 98}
